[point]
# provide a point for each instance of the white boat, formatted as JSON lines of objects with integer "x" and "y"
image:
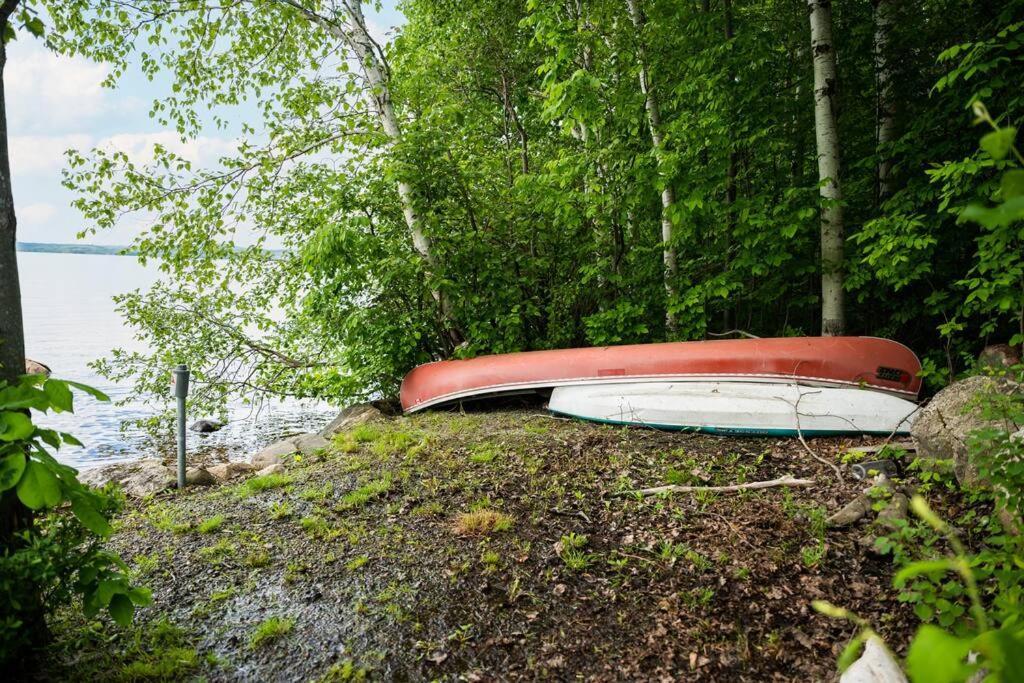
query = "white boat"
{"x": 743, "y": 408}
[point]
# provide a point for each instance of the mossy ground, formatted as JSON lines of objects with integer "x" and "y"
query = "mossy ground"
{"x": 491, "y": 545}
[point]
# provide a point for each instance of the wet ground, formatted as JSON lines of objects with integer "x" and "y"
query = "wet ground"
{"x": 497, "y": 546}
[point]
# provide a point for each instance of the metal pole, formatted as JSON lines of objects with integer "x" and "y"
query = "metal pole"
{"x": 180, "y": 391}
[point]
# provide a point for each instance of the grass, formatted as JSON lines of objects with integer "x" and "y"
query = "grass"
{"x": 317, "y": 527}
{"x": 262, "y": 483}
{"x": 572, "y": 553}
{"x": 481, "y": 522}
{"x": 483, "y": 453}
{"x": 357, "y": 563}
{"x": 365, "y": 493}
{"x": 365, "y": 433}
{"x": 280, "y": 510}
{"x": 270, "y": 630}
{"x": 219, "y": 552}
{"x": 318, "y": 493}
{"x": 210, "y": 525}
{"x": 344, "y": 672}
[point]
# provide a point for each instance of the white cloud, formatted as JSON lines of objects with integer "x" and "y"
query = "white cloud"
{"x": 36, "y": 214}
{"x": 204, "y": 151}
{"x": 43, "y": 154}
{"x": 50, "y": 92}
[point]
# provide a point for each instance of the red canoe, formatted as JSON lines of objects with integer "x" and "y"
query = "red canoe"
{"x": 814, "y": 361}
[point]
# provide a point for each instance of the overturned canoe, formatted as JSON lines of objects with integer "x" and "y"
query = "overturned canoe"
{"x": 755, "y": 409}
{"x": 871, "y": 362}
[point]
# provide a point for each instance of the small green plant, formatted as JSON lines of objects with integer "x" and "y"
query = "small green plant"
{"x": 256, "y": 559}
{"x": 483, "y": 454}
{"x": 210, "y": 525}
{"x": 357, "y": 563}
{"x": 812, "y": 555}
{"x": 365, "y": 493}
{"x": 318, "y": 527}
{"x": 318, "y": 493}
{"x": 482, "y": 521}
{"x": 270, "y": 630}
{"x": 280, "y": 510}
{"x": 365, "y": 433}
{"x": 218, "y": 553}
{"x": 345, "y": 672}
{"x": 571, "y": 551}
{"x": 262, "y": 483}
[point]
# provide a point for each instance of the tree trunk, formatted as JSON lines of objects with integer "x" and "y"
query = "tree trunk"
{"x": 886, "y": 118}
{"x": 668, "y": 198}
{"x": 730, "y": 176}
{"x": 12, "y": 336}
{"x": 826, "y": 133}
{"x": 355, "y": 34}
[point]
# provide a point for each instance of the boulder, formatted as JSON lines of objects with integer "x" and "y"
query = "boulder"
{"x": 139, "y": 478}
{"x": 308, "y": 444}
{"x": 270, "y": 469}
{"x": 876, "y": 665}
{"x": 230, "y": 470}
{"x": 350, "y": 417}
{"x": 999, "y": 356}
{"x": 274, "y": 454}
{"x": 199, "y": 476}
{"x": 205, "y": 426}
{"x": 943, "y": 426}
{"x": 33, "y": 367}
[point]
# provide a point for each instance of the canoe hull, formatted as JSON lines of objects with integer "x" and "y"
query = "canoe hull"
{"x": 879, "y": 364}
{"x": 738, "y": 408}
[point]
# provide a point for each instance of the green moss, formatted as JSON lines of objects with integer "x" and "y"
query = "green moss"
{"x": 356, "y": 563}
{"x": 280, "y": 510}
{"x": 219, "y": 552}
{"x": 344, "y": 672}
{"x": 483, "y": 453}
{"x": 270, "y": 630}
{"x": 318, "y": 493}
{"x": 365, "y": 433}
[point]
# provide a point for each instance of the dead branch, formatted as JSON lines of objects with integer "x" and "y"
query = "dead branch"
{"x": 786, "y": 480}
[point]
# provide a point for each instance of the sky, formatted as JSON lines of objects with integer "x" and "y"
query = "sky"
{"x": 55, "y": 103}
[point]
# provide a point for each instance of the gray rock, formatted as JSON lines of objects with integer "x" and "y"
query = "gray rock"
{"x": 205, "y": 426}
{"x": 199, "y": 476}
{"x": 270, "y": 469}
{"x": 274, "y": 454}
{"x": 876, "y": 665}
{"x": 138, "y": 479}
{"x": 943, "y": 427}
{"x": 33, "y": 367}
{"x": 308, "y": 444}
{"x": 350, "y": 417}
{"x": 230, "y": 470}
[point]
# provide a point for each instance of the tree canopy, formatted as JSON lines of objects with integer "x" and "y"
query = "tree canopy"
{"x": 526, "y": 175}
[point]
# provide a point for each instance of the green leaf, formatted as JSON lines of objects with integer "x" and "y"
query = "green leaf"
{"x": 59, "y": 395}
{"x": 936, "y": 656}
{"x": 999, "y": 142}
{"x": 850, "y": 652}
{"x": 95, "y": 393}
{"x": 88, "y": 515}
{"x": 917, "y": 568}
{"x": 21, "y": 397}
{"x": 70, "y": 438}
{"x": 35, "y": 27}
{"x": 121, "y": 609}
{"x": 1012, "y": 183}
{"x": 39, "y": 487}
{"x": 11, "y": 468}
{"x": 141, "y": 596}
{"x": 15, "y": 426}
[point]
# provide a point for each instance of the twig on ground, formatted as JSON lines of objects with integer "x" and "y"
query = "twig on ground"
{"x": 728, "y": 332}
{"x": 803, "y": 441}
{"x": 786, "y": 480}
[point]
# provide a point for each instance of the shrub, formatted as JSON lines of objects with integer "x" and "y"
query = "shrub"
{"x": 48, "y": 561}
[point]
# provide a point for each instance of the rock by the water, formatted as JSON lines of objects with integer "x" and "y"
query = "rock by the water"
{"x": 138, "y": 479}
{"x": 205, "y": 426}
{"x": 274, "y": 454}
{"x": 942, "y": 428}
{"x": 199, "y": 476}
{"x": 270, "y": 469}
{"x": 230, "y": 470}
{"x": 33, "y": 367}
{"x": 876, "y": 665}
{"x": 350, "y": 417}
{"x": 308, "y": 444}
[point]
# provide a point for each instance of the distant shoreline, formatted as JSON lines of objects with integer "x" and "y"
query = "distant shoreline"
{"x": 47, "y": 248}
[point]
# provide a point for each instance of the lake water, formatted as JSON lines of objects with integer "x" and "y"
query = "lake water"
{"x": 70, "y": 321}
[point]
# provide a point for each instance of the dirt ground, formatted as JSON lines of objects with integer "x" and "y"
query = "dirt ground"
{"x": 496, "y": 545}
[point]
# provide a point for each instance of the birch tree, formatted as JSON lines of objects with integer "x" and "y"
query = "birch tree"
{"x": 826, "y": 133}
{"x": 668, "y": 198}
{"x": 886, "y": 117}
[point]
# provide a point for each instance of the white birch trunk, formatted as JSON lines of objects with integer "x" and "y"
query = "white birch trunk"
{"x": 886, "y": 117}
{"x": 668, "y": 198}
{"x": 826, "y": 133}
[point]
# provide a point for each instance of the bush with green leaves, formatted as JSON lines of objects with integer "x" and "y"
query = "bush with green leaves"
{"x": 54, "y": 526}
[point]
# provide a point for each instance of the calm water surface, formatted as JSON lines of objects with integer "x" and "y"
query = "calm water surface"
{"x": 70, "y": 321}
